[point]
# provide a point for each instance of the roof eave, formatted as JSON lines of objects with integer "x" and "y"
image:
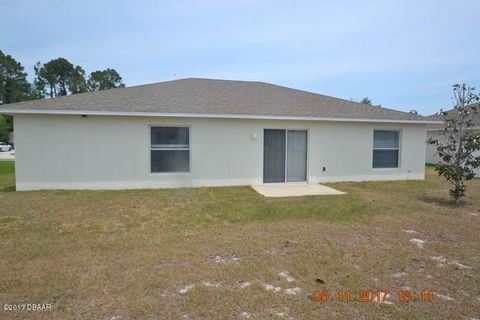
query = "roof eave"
{"x": 209, "y": 115}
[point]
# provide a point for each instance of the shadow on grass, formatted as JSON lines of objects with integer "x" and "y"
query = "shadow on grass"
{"x": 8, "y": 189}
{"x": 441, "y": 202}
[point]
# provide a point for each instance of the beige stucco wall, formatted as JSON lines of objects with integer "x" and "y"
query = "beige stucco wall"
{"x": 112, "y": 152}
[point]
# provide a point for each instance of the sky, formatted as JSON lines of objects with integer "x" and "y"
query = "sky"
{"x": 402, "y": 54}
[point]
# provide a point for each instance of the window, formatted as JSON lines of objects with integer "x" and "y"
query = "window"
{"x": 385, "y": 149}
{"x": 169, "y": 149}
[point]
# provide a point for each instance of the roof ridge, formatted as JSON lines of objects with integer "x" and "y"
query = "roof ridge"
{"x": 214, "y": 96}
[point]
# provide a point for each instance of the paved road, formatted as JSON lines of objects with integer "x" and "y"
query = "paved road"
{"x": 7, "y": 155}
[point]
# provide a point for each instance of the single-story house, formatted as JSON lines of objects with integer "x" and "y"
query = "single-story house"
{"x": 201, "y": 132}
{"x": 435, "y": 131}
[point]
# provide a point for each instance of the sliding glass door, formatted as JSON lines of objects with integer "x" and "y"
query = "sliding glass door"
{"x": 284, "y": 155}
{"x": 274, "y": 156}
{"x": 296, "y": 155}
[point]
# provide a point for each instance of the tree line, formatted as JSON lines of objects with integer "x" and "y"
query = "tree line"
{"x": 57, "y": 77}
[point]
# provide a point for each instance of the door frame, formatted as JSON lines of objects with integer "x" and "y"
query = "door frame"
{"x": 307, "y": 166}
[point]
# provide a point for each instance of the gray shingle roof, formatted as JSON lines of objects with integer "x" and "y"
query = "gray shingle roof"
{"x": 438, "y": 117}
{"x": 217, "y": 97}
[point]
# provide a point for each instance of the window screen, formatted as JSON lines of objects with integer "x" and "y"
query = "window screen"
{"x": 170, "y": 149}
{"x": 385, "y": 149}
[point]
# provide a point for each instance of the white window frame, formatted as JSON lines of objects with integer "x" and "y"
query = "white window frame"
{"x": 169, "y": 148}
{"x": 393, "y": 149}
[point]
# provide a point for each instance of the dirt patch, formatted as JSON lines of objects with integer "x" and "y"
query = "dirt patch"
{"x": 418, "y": 242}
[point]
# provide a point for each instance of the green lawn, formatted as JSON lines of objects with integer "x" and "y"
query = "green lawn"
{"x": 219, "y": 253}
{"x": 7, "y": 176}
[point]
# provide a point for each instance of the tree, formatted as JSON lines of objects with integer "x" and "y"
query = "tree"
{"x": 63, "y": 71}
{"x": 458, "y": 141}
{"x": 14, "y": 86}
{"x": 77, "y": 82}
{"x": 55, "y": 74}
{"x": 104, "y": 79}
{"x": 45, "y": 77}
{"x": 368, "y": 101}
{"x": 59, "y": 77}
{"x": 4, "y": 130}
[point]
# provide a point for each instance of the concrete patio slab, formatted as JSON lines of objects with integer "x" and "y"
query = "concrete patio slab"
{"x": 294, "y": 190}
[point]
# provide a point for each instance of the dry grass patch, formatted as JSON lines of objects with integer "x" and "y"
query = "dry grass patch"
{"x": 219, "y": 253}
